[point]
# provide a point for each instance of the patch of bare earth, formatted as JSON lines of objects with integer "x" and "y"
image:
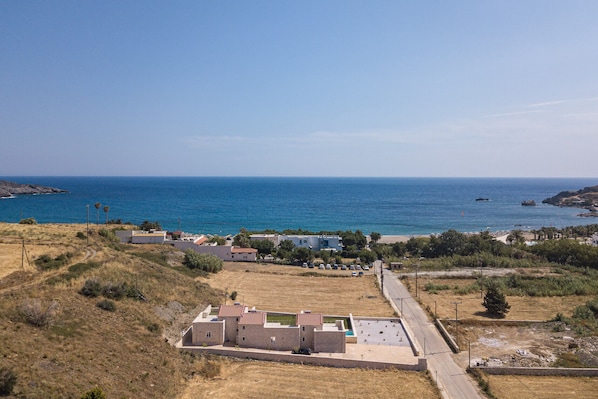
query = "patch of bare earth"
{"x": 284, "y": 288}
{"x": 529, "y": 387}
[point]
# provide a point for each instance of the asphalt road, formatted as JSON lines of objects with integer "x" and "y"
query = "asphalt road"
{"x": 450, "y": 378}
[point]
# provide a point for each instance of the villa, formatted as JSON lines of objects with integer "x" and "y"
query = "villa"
{"x": 314, "y": 242}
{"x": 239, "y": 326}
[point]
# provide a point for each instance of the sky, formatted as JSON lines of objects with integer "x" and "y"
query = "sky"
{"x": 299, "y": 88}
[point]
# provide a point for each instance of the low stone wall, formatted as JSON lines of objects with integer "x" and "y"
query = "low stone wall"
{"x": 541, "y": 371}
{"x": 421, "y": 364}
{"x": 447, "y": 337}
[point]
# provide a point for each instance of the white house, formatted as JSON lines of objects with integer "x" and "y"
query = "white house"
{"x": 225, "y": 252}
{"x": 141, "y": 236}
{"x": 313, "y": 242}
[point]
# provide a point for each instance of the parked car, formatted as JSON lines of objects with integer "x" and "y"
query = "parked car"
{"x": 358, "y": 267}
{"x": 353, "y": 274}
{"x": 366, "y": 267}
{"x": 311, "y": 266}
{"x": 343, "y": 267}
{"x": 328, "y": 267}
{"x": 335, "y": 267}
{"x": 351, "y": 267}
{"x": 302, "y": 351}
{"x": 360, "y": 274}
{"x": 321, "y": 267}
{"x": 304, "y": 265}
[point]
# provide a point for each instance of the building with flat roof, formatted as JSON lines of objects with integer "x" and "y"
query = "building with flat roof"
{"x": 238, "y": 325}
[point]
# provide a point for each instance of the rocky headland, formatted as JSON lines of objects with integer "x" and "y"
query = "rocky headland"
{"x": 586, "y": 198}
{"x": 9, "y": 189}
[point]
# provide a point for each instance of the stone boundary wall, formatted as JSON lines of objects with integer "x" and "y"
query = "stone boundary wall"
{"x": 447, "y": 337}
{"x": 421, "y": 364}
{"x": 541, "y": 371}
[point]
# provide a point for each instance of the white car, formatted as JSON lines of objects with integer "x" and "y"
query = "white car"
{"x": 366, "y": 267}
{"x": 353, "y": 274}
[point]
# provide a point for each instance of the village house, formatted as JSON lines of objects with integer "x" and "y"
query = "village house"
{"x": 199, "y": 244}
{"x": 237, "y": 325}
{"x": 313, "y": 242}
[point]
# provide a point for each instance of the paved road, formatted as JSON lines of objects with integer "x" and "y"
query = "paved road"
{"x": 451, "y": 379}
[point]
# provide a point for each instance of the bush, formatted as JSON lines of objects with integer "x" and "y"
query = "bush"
{"x": 95, "y": 393}
{"x": 28, "y": 221}
{"x": 91, "y": 288}
{"x": 106, "y": 304}
{"x": 109, "y": 235}
{"x": 8, "y": 380}
{"x": 206, "y": 262}
{"x": 81, "y": 235}
{"x": 36, "y": 315}
{"x": 45, "y": 262}
{"x": 114, "y": 291}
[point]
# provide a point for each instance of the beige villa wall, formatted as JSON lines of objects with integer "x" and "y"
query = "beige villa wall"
{"x": 256, "y": 336}
{"x": 329, "y": 341}
{"x": 208, "y": 333}
{"x": 232, "y": 324}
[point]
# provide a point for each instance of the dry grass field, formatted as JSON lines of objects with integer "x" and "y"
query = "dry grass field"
{"x": 126, "y": 352}
{"x": 264, "y": 380}
{"x": 52, "y": 239}
{"x": 283, "y": 288}
{"x": 470, "y": 306}
{"x": 526, "y": 387}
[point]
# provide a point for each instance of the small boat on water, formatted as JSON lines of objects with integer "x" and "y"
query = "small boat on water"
{"x": 482, "y": 199}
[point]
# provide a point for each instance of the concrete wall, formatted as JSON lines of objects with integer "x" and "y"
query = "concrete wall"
{"x": 224, "y": 252}
{"x": 447, "y": 337}
{"x": 541, "y": 371}
{"x": 421, "y": 364}
{"x": 329, "y": 341}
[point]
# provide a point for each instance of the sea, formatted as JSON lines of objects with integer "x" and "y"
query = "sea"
{"x": 225, "y": 205}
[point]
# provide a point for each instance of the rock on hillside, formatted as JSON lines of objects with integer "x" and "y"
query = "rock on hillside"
{"x": 8, "y": 189}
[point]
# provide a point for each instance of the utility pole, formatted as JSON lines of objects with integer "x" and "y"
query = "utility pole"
{"x": 456, "y": 321}
{"x": 416, "y": 270}
{"x": 382, "y": 278}
{"x": 481, "y": 279}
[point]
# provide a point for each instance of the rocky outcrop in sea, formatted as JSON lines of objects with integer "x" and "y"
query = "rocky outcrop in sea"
{"x": 9, "y": 189}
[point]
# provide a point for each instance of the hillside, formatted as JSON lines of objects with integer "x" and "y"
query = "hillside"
{"x": 78, "y": 345}
{"x": 586, "y": 198}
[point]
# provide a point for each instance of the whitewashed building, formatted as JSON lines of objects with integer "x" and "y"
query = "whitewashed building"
{"x": 313, "y": 242}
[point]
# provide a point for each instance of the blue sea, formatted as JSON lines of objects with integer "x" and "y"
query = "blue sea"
{"x": 224, "y": 205}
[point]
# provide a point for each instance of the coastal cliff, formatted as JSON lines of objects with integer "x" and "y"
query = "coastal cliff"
{"x": 8, "y": 189}
{"x": 586, "y": 198}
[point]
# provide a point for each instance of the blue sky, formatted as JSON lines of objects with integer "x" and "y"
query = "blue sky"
{"x": 299, "y": 88}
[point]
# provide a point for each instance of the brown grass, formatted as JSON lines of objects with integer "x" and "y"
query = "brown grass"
{"x": 529, "y": 387}
{"x": 522, "y": 308}
{"x": 264, "y": 380}
{"x": 281, "y": 288}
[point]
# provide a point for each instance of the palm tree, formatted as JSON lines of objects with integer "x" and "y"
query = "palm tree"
{"x": 106, "y": 209}
{"x": 98, "y": 205}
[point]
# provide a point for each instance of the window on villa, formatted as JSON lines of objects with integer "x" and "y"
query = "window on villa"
{"x": 303, "y": 328}
{"x": 272, "y": 340}
{"x": 243, "y": 327}
{"x": 303, "y": 339}
{"x": 243, "y": 338}
{"x": 208, "y": 334}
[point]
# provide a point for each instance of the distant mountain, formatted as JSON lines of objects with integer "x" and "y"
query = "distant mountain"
{"x": 8, "y": 189}
{"x": 586, "y": 198}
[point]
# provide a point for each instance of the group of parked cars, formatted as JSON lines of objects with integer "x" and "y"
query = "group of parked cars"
{"x": 357, "y": 270}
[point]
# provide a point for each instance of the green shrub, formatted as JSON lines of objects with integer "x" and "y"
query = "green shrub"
{"x": 91, "y": 288}
{"x": 95, "y": 393}
{"x": 8, "y": 380}
{"x": 206, "y": 262}
{"x": 106, "y": 304}
{"x": 28, "y": 221}
{"x": 45, "y": 262}
{"x": 81, "y": 235}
